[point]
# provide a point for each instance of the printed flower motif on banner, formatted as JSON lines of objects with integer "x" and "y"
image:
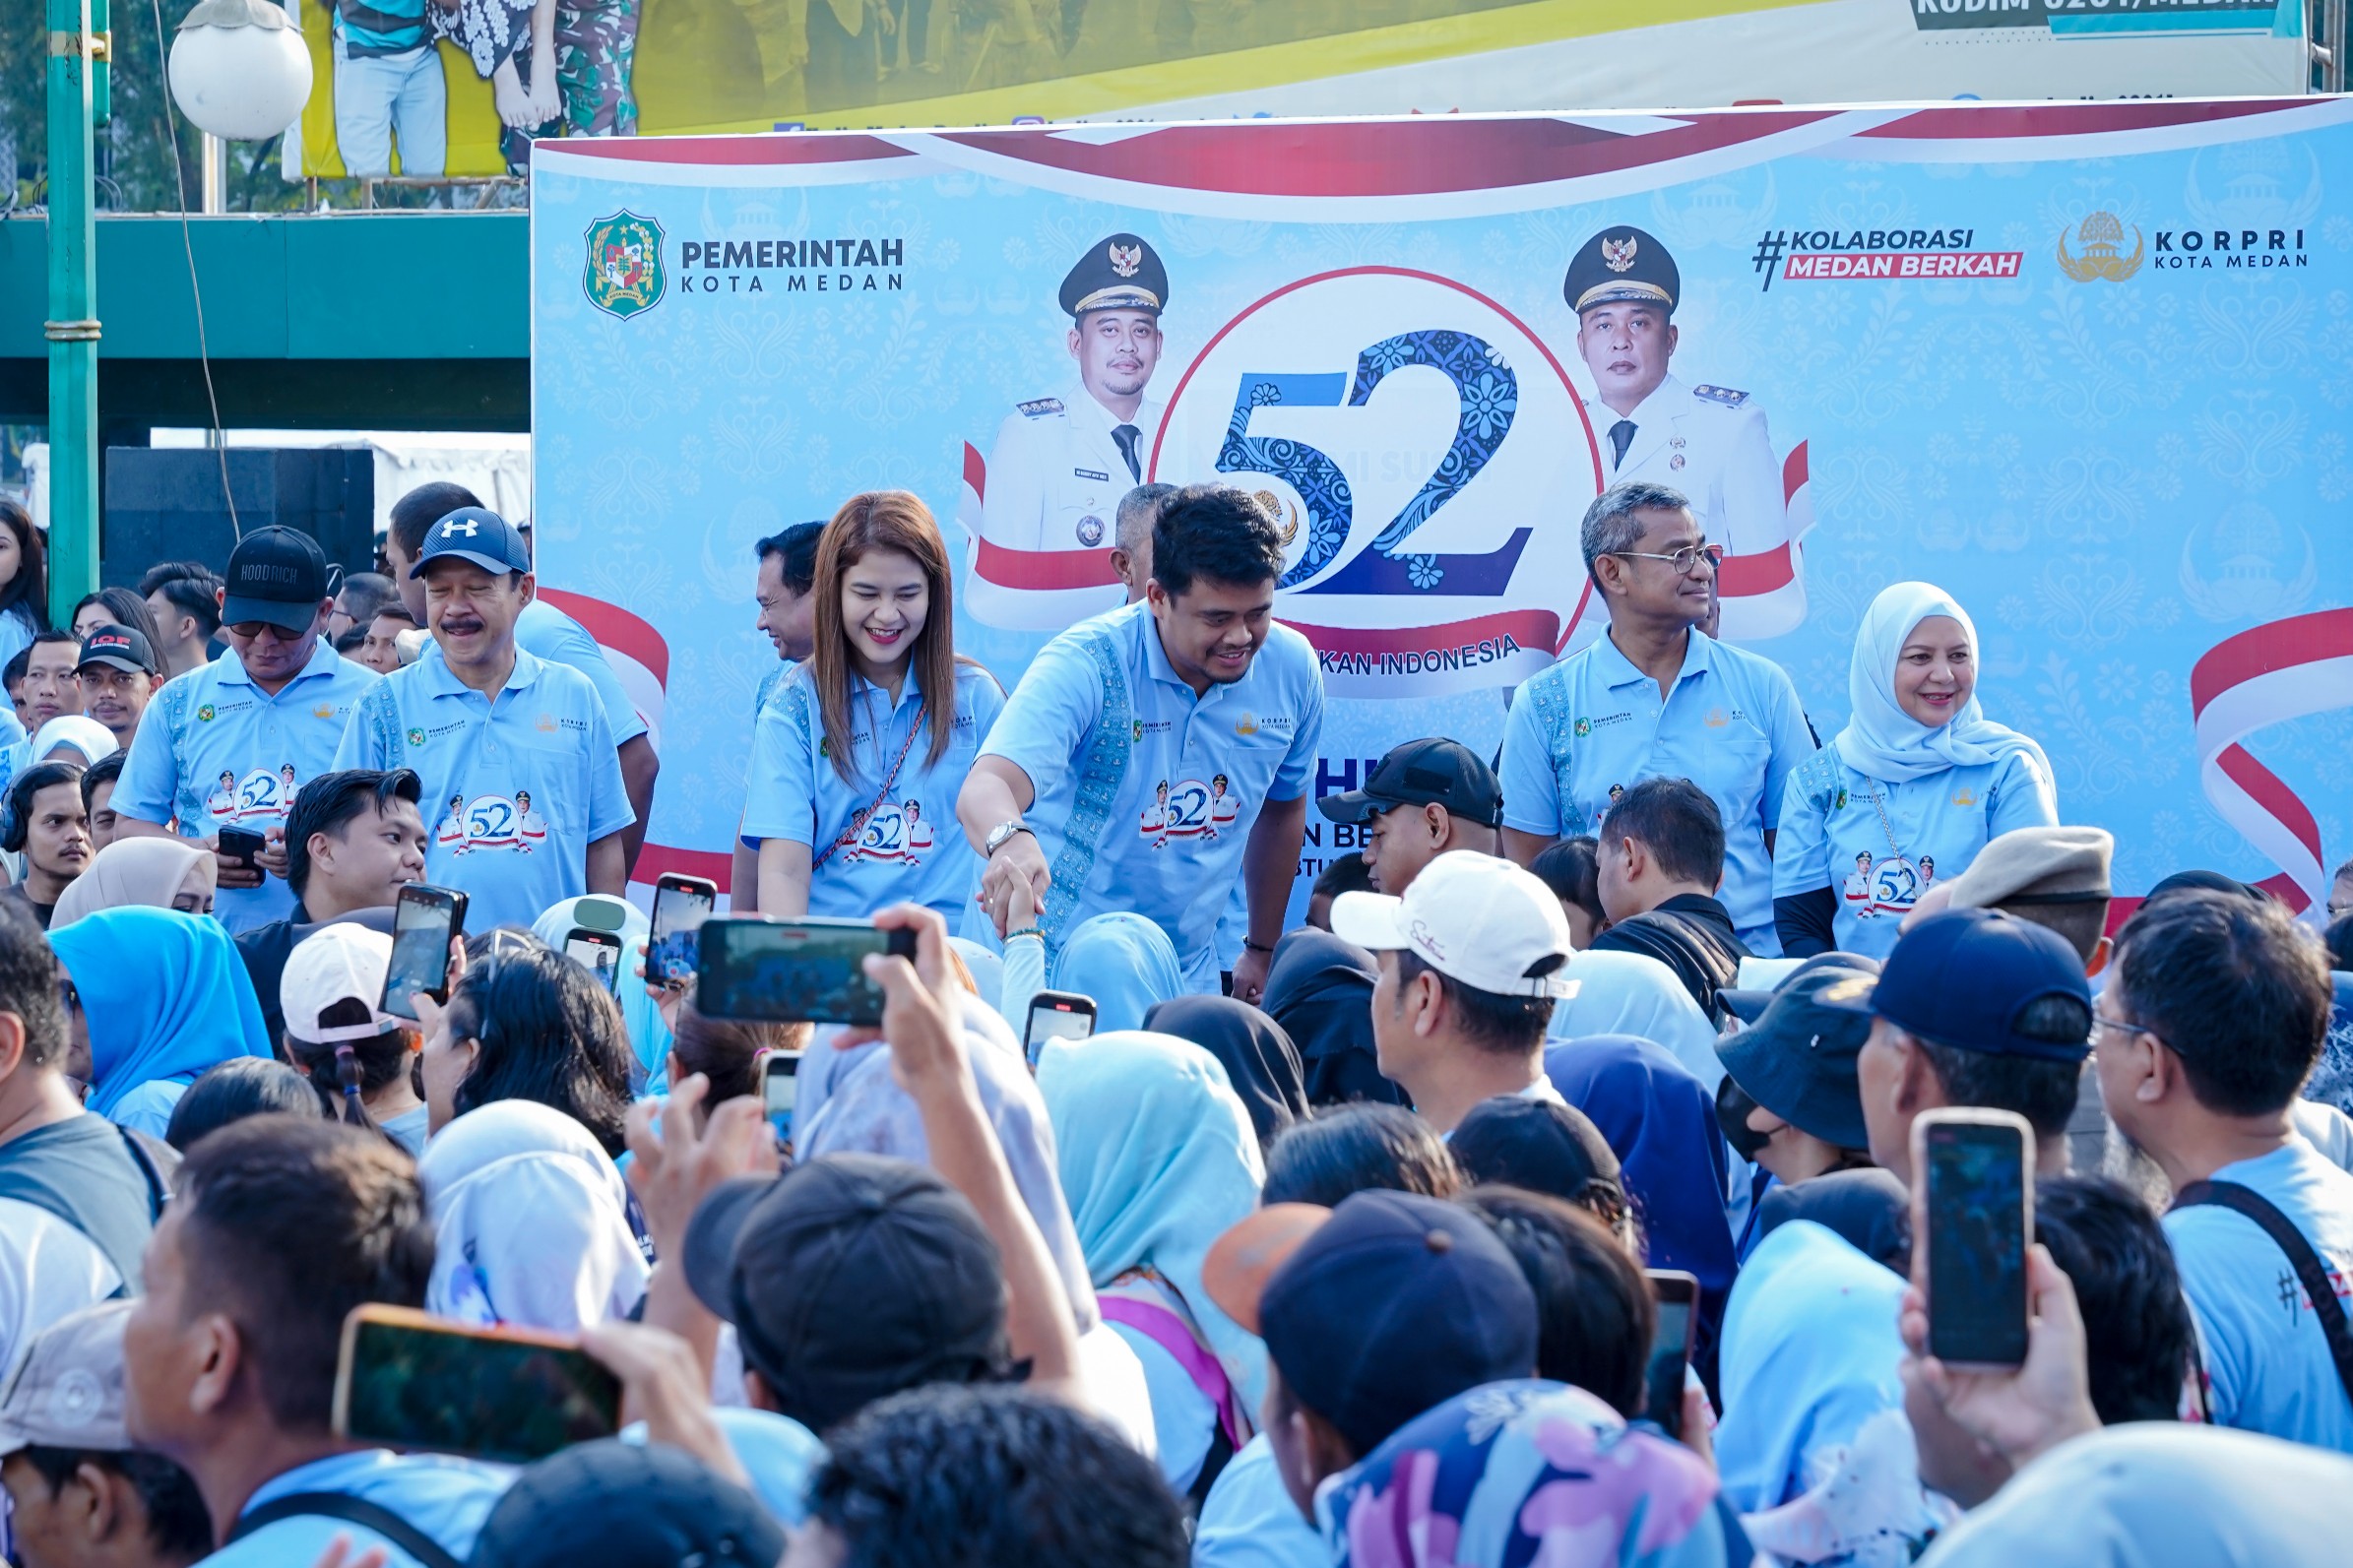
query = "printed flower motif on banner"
{"x": 1489, "y": 404}
{"x": 1423, "y": 571}
{"x": 2249, "y": 436}
{"x": 2098, "y": 751}
{"x": 2096, "y": 599}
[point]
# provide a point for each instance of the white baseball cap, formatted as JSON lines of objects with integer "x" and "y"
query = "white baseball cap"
{"x": 1474, "y": 918}
{"x": 337, "y": 962}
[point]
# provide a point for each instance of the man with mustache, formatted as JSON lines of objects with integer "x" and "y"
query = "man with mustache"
{"x": 1062, "y": 464}
{"x": 496, "y": 727}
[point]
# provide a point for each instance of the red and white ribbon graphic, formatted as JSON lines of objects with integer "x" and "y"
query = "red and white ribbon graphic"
{"x": 2267, "y": 675}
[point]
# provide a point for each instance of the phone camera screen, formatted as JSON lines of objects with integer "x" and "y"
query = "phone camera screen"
{"x": 1977, "y": 1245}
{"x": 1663, "y": 1375}
{"x": 600, "y": 960}
{"x": 419, "y": 954}
{"x": 460, "y": 1393}
{"x": 792, "y": 972}
{"x": 1047, "y": 1023}
{"x": 678, "y": 916}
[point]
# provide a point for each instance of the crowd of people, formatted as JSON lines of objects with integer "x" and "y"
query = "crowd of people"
{"x": 1348, "y": 1240}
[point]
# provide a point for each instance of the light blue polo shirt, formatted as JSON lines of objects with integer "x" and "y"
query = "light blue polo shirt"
{"x": 216, "y": 751}
{"x": 545, "y": 631}
{"x": 1831, "y": 836}
{"x": 1154, "y": 820}
{"x": 1731, "y": 725}
{"x": 513, "y": 792}
{"x": 447, "y": 1499}
{"x": 2267, "y": 1361}
{"x": 881, "y": 847}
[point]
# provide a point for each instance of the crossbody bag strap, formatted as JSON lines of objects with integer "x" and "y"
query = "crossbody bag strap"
{"x": 2309, "y": 1270}
{"x": 890, "y": 782}
{"x": 351, "y": 1510}
{"x": 159, "y": 1185}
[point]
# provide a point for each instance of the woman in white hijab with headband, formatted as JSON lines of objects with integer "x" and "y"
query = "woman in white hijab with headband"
{"x": 1907, "y": 794}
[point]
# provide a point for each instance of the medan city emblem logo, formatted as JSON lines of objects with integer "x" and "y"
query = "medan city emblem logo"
{"x": 204, "y": 714}
{"x": 416, "y": 737}
{"x": 1127, "y": 260}
{"x": 1618, "y": 254}
{"x": 624, "y": 274}
{"x": 2099, "y": 237}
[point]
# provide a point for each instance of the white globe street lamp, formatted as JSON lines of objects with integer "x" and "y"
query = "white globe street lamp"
{"x": 239, "y": 69}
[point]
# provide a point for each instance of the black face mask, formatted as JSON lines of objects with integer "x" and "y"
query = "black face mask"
{"x": 1732, "y": 1106}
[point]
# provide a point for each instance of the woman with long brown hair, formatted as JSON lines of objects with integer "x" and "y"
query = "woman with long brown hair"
{"x": 857, "y": 759}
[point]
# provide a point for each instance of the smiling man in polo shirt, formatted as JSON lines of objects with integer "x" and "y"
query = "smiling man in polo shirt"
{"x": 489, "y": 727}
{"x": 218, "y": 743}
{"x": 1152, "y": 753}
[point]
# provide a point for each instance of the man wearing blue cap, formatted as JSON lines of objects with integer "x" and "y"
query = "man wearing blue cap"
{"x": 1062, "y": 464}
{"x": 1975, "y": 1008}
{"x": 500, "y": 731}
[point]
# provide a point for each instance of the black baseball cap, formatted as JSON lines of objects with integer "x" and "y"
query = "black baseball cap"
{"x": 1378, "y": 1309}
{"x": 1797, "y": 1059}
{"x": 276, "y": 575}
{"x": 625, "y": 1505}
{"x": 123, "y": 647}
{"x": 1429, "y": 772}
{"x": 478, "y": 534}
{"x": 1964, "y": 980}
{"x": 849, "y": 1278}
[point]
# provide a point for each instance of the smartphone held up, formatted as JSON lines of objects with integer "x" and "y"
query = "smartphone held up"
{"x": 1973, "y": 1222}
{"x": 407, "y": 1380}
{"x": 750, "y": 969}
{"x": 424, "y": 921}
{"x": 681, "y": 904}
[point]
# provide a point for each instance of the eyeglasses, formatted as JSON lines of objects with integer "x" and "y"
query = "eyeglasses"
{"x": 1681, "y": 560}
{"x": 2099, "y": 1023}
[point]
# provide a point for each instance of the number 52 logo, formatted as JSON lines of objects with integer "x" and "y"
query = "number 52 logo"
{"x": 1431, "y": 459}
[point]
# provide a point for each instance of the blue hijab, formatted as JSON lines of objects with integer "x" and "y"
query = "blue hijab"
{"x": 1661, "y": 1122}
{"x": 164, "y": 994}
{"x": 1125, "y": 962}
{"x": 1880, "y": 740}
{"x": 1158, "y": 1159}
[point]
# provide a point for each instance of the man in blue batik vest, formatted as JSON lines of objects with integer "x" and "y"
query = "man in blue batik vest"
{"x": 1151, "y": 753}
{"x": 1654, "y": 697}
{"x": 227, "y": 744}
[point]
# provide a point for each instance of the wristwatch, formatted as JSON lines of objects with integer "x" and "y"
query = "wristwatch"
{"x": 1002, "y": 832}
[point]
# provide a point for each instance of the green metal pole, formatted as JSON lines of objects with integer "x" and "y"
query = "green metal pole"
{"x": 72, "y": 327}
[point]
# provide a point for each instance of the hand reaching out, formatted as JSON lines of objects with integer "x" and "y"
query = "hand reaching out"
{"x": 677, "y": 1162}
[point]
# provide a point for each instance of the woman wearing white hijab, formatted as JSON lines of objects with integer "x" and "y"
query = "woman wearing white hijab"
{"x": 1908, "y": 792}
{"x": 530, "y": 1222}
{"x": 85, "y": 741}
